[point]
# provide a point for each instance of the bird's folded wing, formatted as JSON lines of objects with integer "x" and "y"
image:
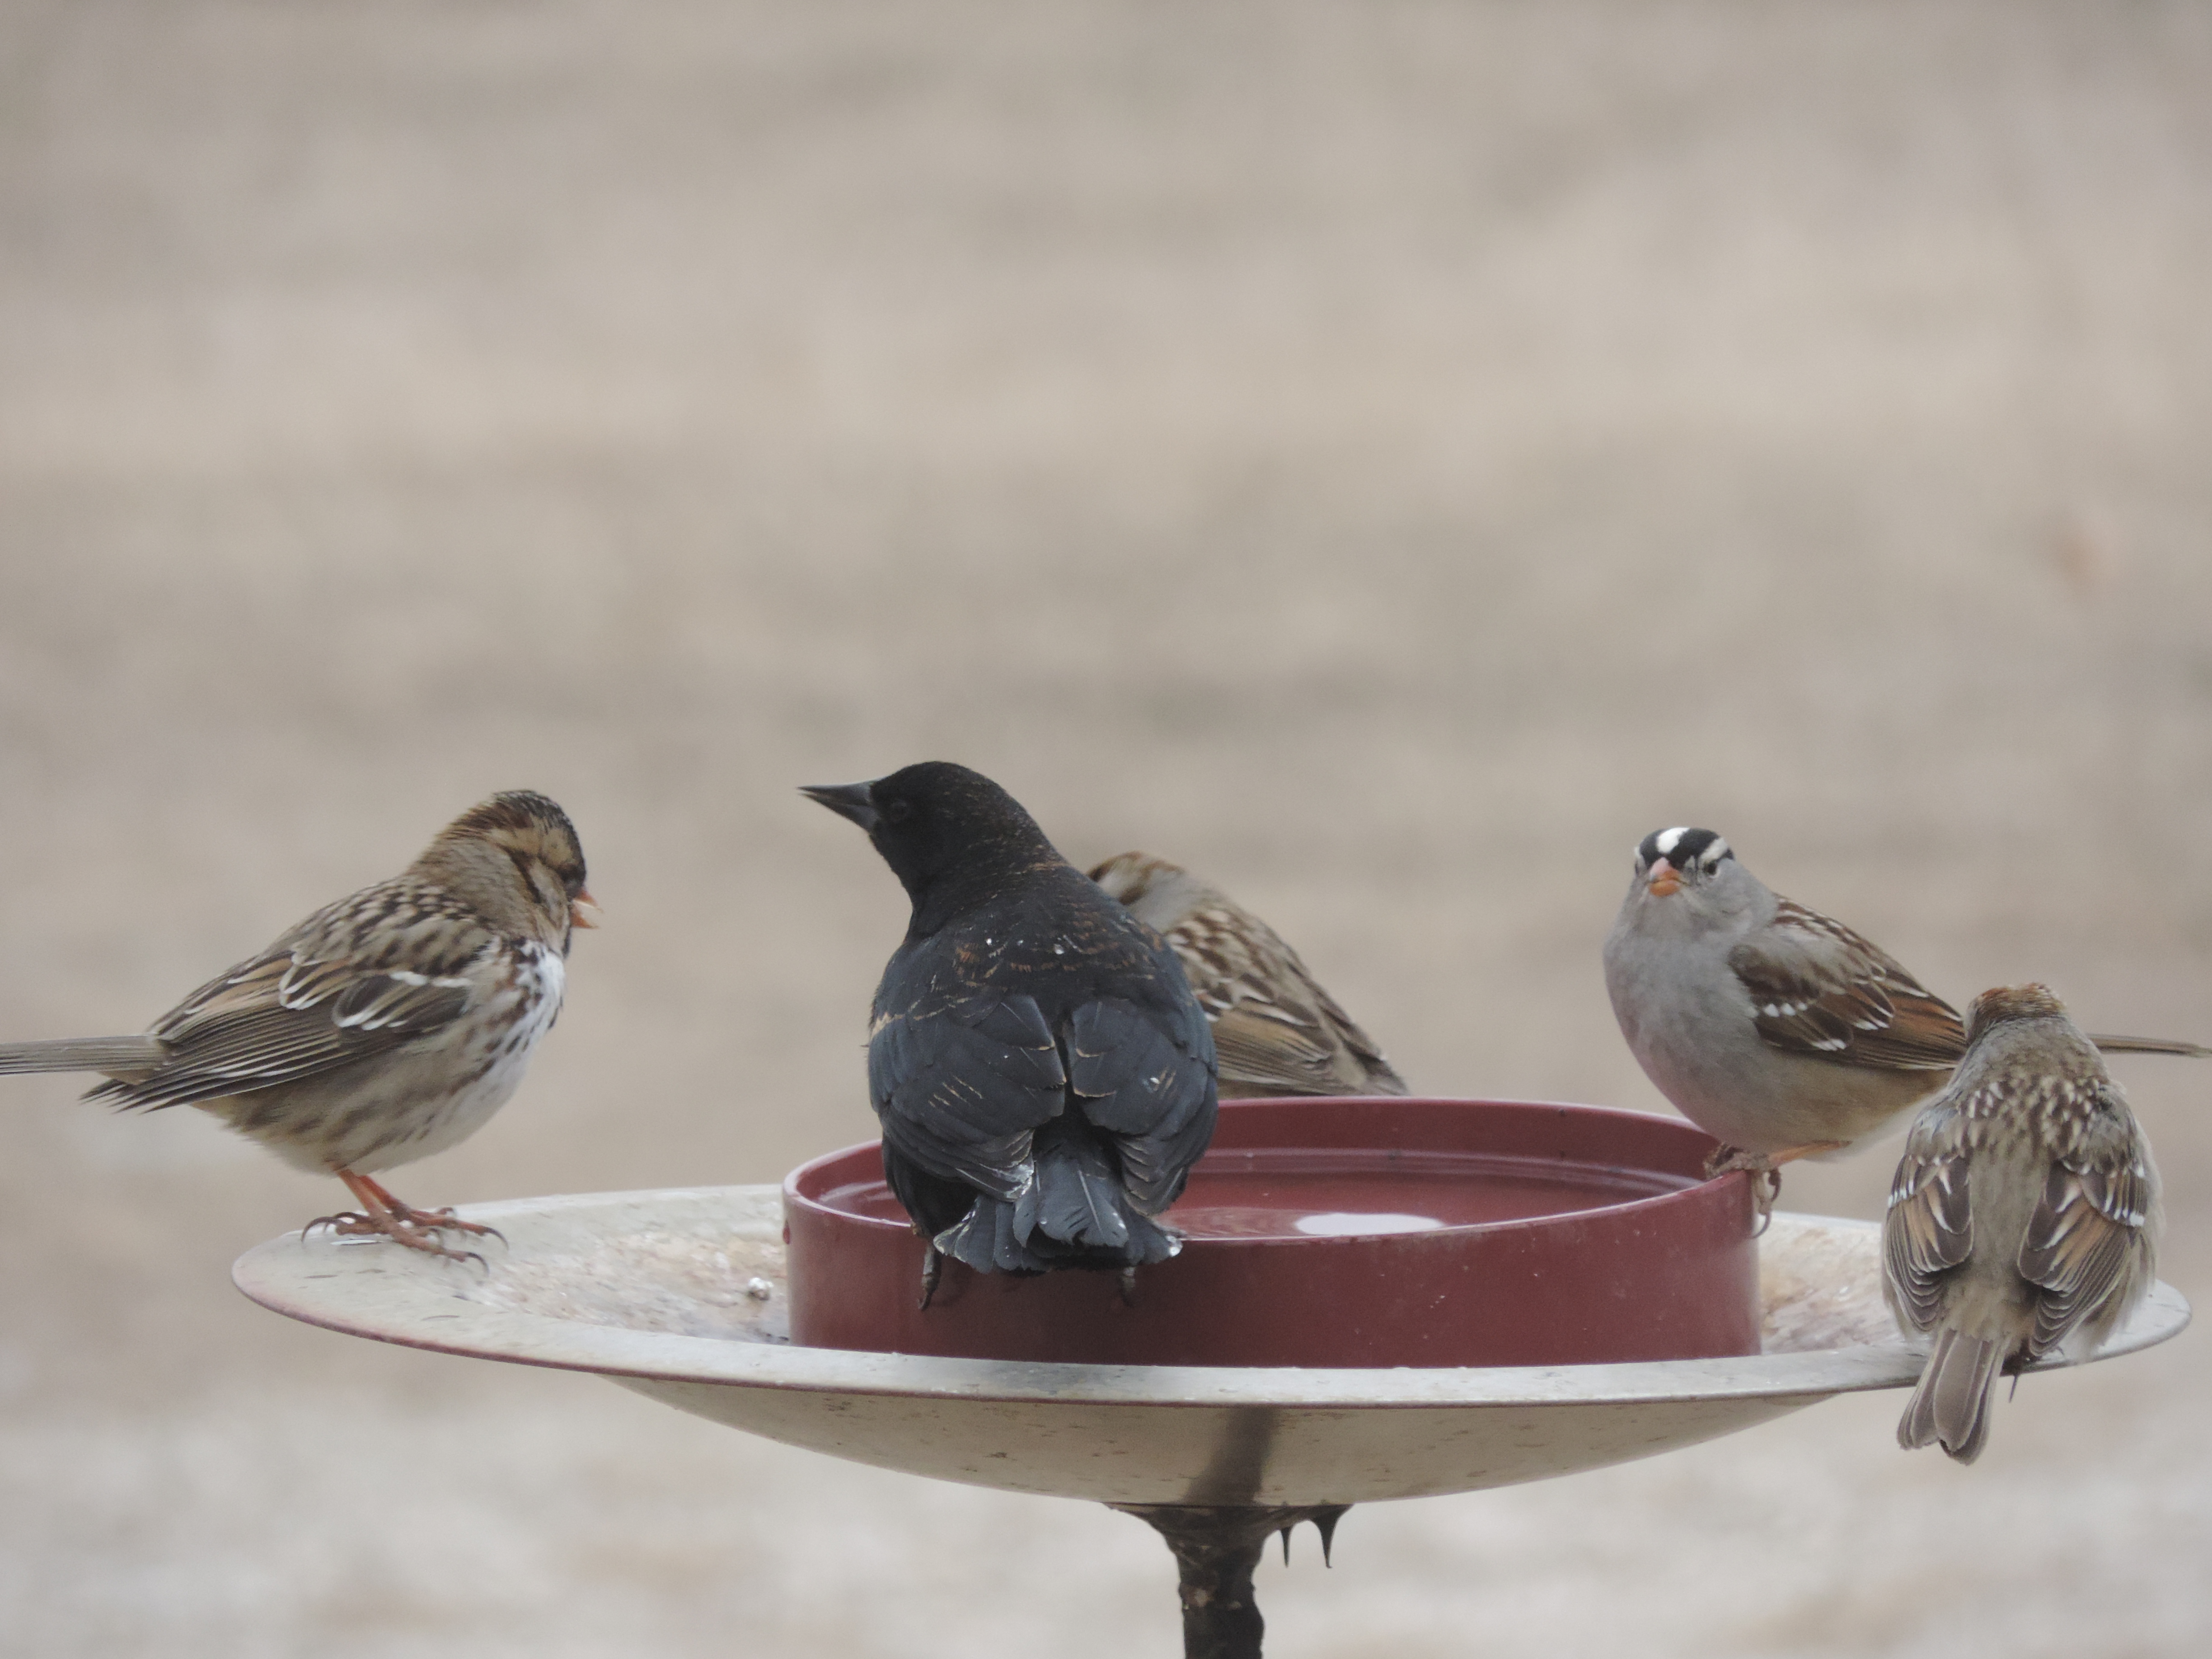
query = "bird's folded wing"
{"x": 284, "y": 1017}
{"x": 2095, "y": 1204}
{"x": 1929, "y": 1228}
{"x": 1144, "y": 1075}
{"x": 1819, "y": 989}
{"x": 1382, "y": 1078}
{"x": 1259, "y": 1046}
{"x": 1275, "y": 1028}
{"x": 961, "y": 1089}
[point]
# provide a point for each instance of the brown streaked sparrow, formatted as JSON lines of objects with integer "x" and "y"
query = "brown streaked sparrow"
{"x": 1275, "y": 1031}
{"x": 2023, "y": 1216}
{"x": 384, "y": 1028}
{"x": 1777, "y": 1029}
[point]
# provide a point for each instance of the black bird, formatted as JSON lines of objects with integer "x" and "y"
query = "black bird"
{"x": 1044, "y": 1075}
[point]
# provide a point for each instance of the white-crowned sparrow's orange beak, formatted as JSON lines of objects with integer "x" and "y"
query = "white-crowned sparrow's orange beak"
{"x": 584, "y": 910}
{"x": 1664, "y": 881}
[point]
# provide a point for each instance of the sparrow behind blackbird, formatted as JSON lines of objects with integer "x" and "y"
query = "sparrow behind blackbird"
{"x": 384, "y": 1028}
{"x": 1044, "y": 1076}
{"x": 1275, "y": 1031}
{"x": 1776, "y": 1029}
{"x": 2023, "y": 1214}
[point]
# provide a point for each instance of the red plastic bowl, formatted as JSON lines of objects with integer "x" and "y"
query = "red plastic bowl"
{"x": 1359, "y": 1231}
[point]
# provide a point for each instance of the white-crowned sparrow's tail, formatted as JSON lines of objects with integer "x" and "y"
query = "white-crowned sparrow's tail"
{"x": 108, "y": 1055}
{"x": 1951, "y": 1404}
{"x": 2135, "y": 1045}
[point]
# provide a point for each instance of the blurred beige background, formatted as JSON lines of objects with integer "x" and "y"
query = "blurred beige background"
{"x": 1388, "y": 456}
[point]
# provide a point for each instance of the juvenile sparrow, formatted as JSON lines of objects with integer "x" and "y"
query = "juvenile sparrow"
{"x": 1776, "y": 1029}
{"x": 384, "y": 1028}
{"x": 1275, "y": 1031}
{"x": 1044, "y": 1077}
{"x": 2023, "y": 1213}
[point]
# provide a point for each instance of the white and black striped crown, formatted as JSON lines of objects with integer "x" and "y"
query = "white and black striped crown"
{"x": 1682, "y": 846}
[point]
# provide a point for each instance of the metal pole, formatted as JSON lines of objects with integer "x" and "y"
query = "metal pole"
{"x": 1216, "y": 1548}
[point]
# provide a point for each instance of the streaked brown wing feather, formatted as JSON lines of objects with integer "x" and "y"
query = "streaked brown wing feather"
{"x": 1819, "y": 989}
{"x": 1930, "y": 1228}
{"x": 1275, "y": 1030}
{"x": 1260, "y": 1054}
{"x": 311, "y": 1002}
{"x": 2086, "y": 1229}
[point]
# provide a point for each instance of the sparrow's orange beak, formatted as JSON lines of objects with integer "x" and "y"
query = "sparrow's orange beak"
{"x": 584, "y": 909}
{"x": 1664, "y": 881}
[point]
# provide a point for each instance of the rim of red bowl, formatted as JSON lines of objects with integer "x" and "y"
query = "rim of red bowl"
{"x": 1687, "y": 1132}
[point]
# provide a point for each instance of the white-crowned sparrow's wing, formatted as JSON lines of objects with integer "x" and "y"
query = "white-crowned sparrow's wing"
{"x": 2023, "y": 1213}
{"x": 1276, "y": 1031}
{"x": 385, "y": 1027}
{"x": 1819, "y": 989}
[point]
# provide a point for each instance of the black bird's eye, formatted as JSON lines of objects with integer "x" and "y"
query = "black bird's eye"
{"x": 899, "y": 810}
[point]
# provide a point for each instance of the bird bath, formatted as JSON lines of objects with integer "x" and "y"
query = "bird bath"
{"x": 684, "y": 1295}
{"x": 1336, "y": 1233}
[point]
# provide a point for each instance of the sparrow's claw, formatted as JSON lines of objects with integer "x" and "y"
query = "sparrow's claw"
{"x": 1722, "y": 1159}
{"x": 444, "y": 1221}
{"x": 1765, "y": 1178}
{"x": 405, "y": 1229}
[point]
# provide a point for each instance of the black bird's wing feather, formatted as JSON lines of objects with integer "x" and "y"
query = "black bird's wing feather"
{"x": 962, "y": 1088}
{"x": 1141, "y": 1075}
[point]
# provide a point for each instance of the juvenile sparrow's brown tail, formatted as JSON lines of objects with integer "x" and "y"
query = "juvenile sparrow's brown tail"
{"x": 2134, "y": 1045}
{"x": 106, "y": 1054}
{"x": 1951, "y": 1405}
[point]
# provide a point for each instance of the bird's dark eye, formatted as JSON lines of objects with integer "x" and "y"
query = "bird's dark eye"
{"x": 899, "y": 810}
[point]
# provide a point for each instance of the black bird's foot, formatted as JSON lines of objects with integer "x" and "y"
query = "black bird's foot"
{"x": 932, "y": 1265}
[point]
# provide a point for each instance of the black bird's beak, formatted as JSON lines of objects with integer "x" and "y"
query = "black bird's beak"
{"x": 851, "y": 800}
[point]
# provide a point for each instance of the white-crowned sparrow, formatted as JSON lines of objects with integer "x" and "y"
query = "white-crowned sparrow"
{"x": 2023, "y": 1216}
{"x": 1777, "y": 1029}
{"x": 1275, "y": 1031}
{"x": 385, "y": 1027}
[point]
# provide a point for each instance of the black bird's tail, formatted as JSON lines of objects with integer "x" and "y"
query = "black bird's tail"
{"x": 1075, "y": 1213}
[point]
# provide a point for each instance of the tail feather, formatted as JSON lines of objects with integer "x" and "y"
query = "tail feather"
{"x": 1075, "y": 1213}
{"x": 1080, "y": 1200}
{"x": 110, "y": 1055}
{"x": 2134, "y": 1045}
{"x": 1950, "y": 1406}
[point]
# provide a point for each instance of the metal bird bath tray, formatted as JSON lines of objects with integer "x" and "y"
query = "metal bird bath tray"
{"x": 1378, "y": 1299}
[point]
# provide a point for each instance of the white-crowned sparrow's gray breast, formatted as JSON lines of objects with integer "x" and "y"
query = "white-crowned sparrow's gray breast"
{"x": 1778, "y": 1030}
{"x": 2023, "y": 1215}
{"x": 1275, "y": 1030}
{"x": 384, "y": 1028}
